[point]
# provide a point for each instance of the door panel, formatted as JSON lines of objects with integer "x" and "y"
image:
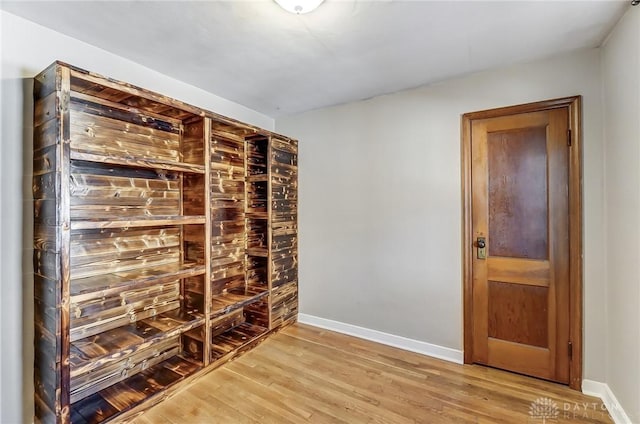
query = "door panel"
{"x": 519, "y": 206}
{"x": 517, "y": 167}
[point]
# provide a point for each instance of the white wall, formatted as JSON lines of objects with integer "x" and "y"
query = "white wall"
{"x": 28, "y": 48}
{"x": 621, "y": 89}
{"x": 380, "y": 201}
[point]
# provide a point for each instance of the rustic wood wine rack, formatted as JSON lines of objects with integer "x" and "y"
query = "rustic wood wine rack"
{"x": 165, "y": 244}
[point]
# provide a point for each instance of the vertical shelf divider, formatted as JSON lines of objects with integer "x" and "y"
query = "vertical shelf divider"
{"x": 269, "y": 230}
{"x": 65, "y": 229}
{"x": 207, "y": 240}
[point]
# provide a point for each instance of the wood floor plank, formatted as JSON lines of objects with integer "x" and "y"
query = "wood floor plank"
{"x": 308, "y": 375}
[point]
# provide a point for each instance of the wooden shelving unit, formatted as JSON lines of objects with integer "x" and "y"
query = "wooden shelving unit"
{"x": 165, "y": 243}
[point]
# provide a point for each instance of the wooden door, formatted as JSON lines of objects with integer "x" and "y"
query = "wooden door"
{"x": 519, "y": 248}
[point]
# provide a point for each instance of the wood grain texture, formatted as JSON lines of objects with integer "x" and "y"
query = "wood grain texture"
{"x": 304, "y": 374}
{"x": 517, "y": 313}
{"x": 517, "y": 198}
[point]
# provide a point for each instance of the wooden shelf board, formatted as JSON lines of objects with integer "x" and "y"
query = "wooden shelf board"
{"x": 262, "y": 252}
{"x": 82, "y": 289}
{"x": 134, "y": 390}
{"x": 114, "y": 345}
{"x": 257, "y": 178}
{"x": 256, "y": 215}
{"x": 139, "y": 162}
{"x": 141, "y": 221}
{"x": 227, "y": 302}
{"x": 235, "y": 339}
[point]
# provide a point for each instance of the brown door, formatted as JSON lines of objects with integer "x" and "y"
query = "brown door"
{"x": 520, "y": 214}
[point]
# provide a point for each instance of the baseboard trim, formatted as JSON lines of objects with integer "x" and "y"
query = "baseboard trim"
{"x": 603, "y": 391}
{"x": 424, "y": 348}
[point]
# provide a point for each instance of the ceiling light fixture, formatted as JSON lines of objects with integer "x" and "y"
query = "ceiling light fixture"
{"x": 299, "y": 6}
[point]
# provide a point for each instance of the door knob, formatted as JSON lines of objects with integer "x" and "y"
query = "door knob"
{"x": 481, "y": 244}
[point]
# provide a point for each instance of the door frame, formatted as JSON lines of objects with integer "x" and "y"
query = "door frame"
{"x": 574, "y": 107}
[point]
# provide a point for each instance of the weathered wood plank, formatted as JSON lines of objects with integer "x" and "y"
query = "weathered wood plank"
{"x": 45, "y": 135}
{"x": 284, "y": 271}
{"x": 46, "y": 82}
{"x": 101, "y": 106}
{"x": 42, "y": 412}
{"x": 284, "y": 243}
{"x": 284, "y": 303}
{"x": 46, "y": 186}
{"x": 46, "y": 160}
{"x": 156, "y": 164}
{"x": 47, "y": 264}
{"x": 155, "y": 221}
{"x": 236, "y": 298}
{"x": 45, "y": 109}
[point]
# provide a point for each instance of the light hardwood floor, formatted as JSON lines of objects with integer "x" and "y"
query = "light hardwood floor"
{"x": 305, "y": 374}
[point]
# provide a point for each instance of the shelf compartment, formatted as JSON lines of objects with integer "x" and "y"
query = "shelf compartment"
{"x": 106, "y": 285}
{"x": 89, "y": 383}
{"x": 128, "y": 96}
{"x": 100, "y": 191}
{"x": 120, "y": 343}
{"x": 193, "y": 198}
{"x": 142, "y": 221}
{"x": 237, "y": 298}
{"x": 257, "y": 195}
{"x": 226, "y": 151}
{"x": 98, "y": 252}
{"x": 257, "y": 234}
{"x": 283, "y": 154}
{"x": 235, "y": 339}
{"x": 123, "y": 396}
{"x": 95, "y": 316}
{"x": 257, "y": 153}
{"x": 226, "y": 322}
{"x": 257, "y": 270}
{"x": 114, "y": 133}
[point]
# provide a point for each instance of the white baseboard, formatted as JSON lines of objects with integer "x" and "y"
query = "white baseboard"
{"x": 602, "y": 390}
{"x": 445, "y": 353}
